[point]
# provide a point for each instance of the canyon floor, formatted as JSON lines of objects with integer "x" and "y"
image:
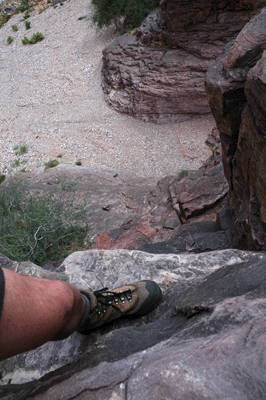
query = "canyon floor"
{"x": 52, "y": 102}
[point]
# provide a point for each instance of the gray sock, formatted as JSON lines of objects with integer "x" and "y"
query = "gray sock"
{"x": 82, "y": 324}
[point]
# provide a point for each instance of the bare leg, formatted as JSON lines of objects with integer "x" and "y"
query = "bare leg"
{"x": 36, "y": 311}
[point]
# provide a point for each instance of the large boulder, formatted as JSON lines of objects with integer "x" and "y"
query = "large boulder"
{"x": 205, "y": 340}
{"x": 235, "y": 86}
{"x": 158, "y": 74}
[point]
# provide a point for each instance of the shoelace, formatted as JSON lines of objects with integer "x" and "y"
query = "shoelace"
{"x": 106, "y": 298}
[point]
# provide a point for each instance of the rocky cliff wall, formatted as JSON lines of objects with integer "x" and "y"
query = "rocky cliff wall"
{"x": 236, "y": 87}
{"x": 158, "y": 74}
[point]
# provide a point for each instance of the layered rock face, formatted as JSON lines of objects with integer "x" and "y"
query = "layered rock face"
{"x": 236, "y": 87}
{"x": 158, "y": 74}
{"x": 206, "y": 340}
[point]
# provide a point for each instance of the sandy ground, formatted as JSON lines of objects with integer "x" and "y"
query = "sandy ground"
{"x": 52, "y": 102}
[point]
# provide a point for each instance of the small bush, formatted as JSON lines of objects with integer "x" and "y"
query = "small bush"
{"x": 36, "y": 37}
{"x": 60, "y": 156}
{"x": 15, "y": 28}
{"x": 23, "y": 149}
{"x": 10, "y": 39}
{"x": 111, "y": 11}
{"x": 26, "y": 15}
{"x": 25, "y": 40}
{"x": 24, "y": 6}
{"x": 2, "y": 178}
{"x": 78, "y": 163}
{"x": 182, "y": 173}
{"x": 15, "y": 163}
{"x": 3, "y": 19}
{"x": 51, "y": 164}
{"x": 27, "y": 24}
{"x": 39, "y": 228}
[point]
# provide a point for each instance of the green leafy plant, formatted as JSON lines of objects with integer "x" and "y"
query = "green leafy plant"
{"x": 51, "y": 164}
{"x": 39, "y": 227}
{"x": 24, "y": 6}
{"x": 2, "y": 178}
{"x": 16, "y": 163}
{"x": 20, "y": 149}
{"x": 27, "y": 14}
{"x": 78, "y": 163}
{"x": 25, "y": 40}
{"x": 60, "y": 156}
{"x": 214, "y": 149}
{"x": 132, "y": 11}
{"x": 15, "y": 28}
{"x": 10, "y": 39}
{"x": 27, "y": 24}
{"x": 4, "y": 18}
{"x": 36, "y": 37}
{"x": 182, "y": 173}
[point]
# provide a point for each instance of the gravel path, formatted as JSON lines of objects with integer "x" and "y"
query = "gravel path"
{"x": 51, "y": 101}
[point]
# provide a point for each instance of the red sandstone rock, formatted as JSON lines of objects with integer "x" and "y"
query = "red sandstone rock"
{"x": 236, "y": 87}
{"x": 158, "y": 75}
{"x": 156, "y": 225}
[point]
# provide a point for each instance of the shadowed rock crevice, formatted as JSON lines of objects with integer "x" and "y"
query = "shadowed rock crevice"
{"x": 235, "y": 85}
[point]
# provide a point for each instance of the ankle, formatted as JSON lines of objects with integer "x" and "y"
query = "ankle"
{"x": 86, "y": 313}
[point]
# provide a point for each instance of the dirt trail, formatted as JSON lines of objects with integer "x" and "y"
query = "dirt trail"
{"x": 51, "y": 101}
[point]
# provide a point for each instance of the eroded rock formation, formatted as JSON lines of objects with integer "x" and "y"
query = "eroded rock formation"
{"x": 158, "y": 74}
{"x": 205, "y": 340}
{"x": 236, "y": 87}
{"x": 179, "y": 214}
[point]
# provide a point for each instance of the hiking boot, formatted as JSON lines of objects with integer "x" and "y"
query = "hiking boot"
{"x": 131, "y": 301}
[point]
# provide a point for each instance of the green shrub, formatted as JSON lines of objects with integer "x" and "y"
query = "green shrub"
{"x": 15, "y": 163}
{"x": 10, "y": 39}
{"x": 134, "y": 11}
{"x": 39, "y": 227}
{"x": 15, "y": 28}
{"x": 60, "y": 156}
{"x": 78, "y": 163}
{"x": 24, "y": 6}
{"x": 2, "y": 178}
{"x": 26, "y": 15}
{"x": 51, "y": 164}
{"x": 182, "y": 173}
{"x": 4, "y": 18}
{"x": 23, "y": 149}
{"x": 36, "y": 37}
{"x": 25, "y": 40}
{"x": 27, "y": 24}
